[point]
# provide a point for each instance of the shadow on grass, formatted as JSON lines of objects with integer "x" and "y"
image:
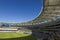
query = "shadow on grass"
{"x": 30, "y": 37}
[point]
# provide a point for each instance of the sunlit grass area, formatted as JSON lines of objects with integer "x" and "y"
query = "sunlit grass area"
{"x": 11, "y": 35}
{"x": 15, "y": 36}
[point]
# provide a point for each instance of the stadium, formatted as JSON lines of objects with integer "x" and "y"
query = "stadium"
{"x": 46, "y": 26}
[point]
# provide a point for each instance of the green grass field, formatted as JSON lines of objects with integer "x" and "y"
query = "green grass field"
{"x": 15, "y": 36}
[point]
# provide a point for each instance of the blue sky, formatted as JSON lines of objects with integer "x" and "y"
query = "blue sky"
{"x": 19, "y": 10}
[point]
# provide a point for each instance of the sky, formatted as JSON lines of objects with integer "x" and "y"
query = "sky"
{"x": 19, "y": 10}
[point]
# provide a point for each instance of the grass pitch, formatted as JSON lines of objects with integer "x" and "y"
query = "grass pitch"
{"x": 15, "y": 36}
{"x": 4, "y": 35}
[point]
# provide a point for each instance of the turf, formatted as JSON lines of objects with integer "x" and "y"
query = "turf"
{"x": 15, "y": 36}
{"x": 11, "y": 35}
